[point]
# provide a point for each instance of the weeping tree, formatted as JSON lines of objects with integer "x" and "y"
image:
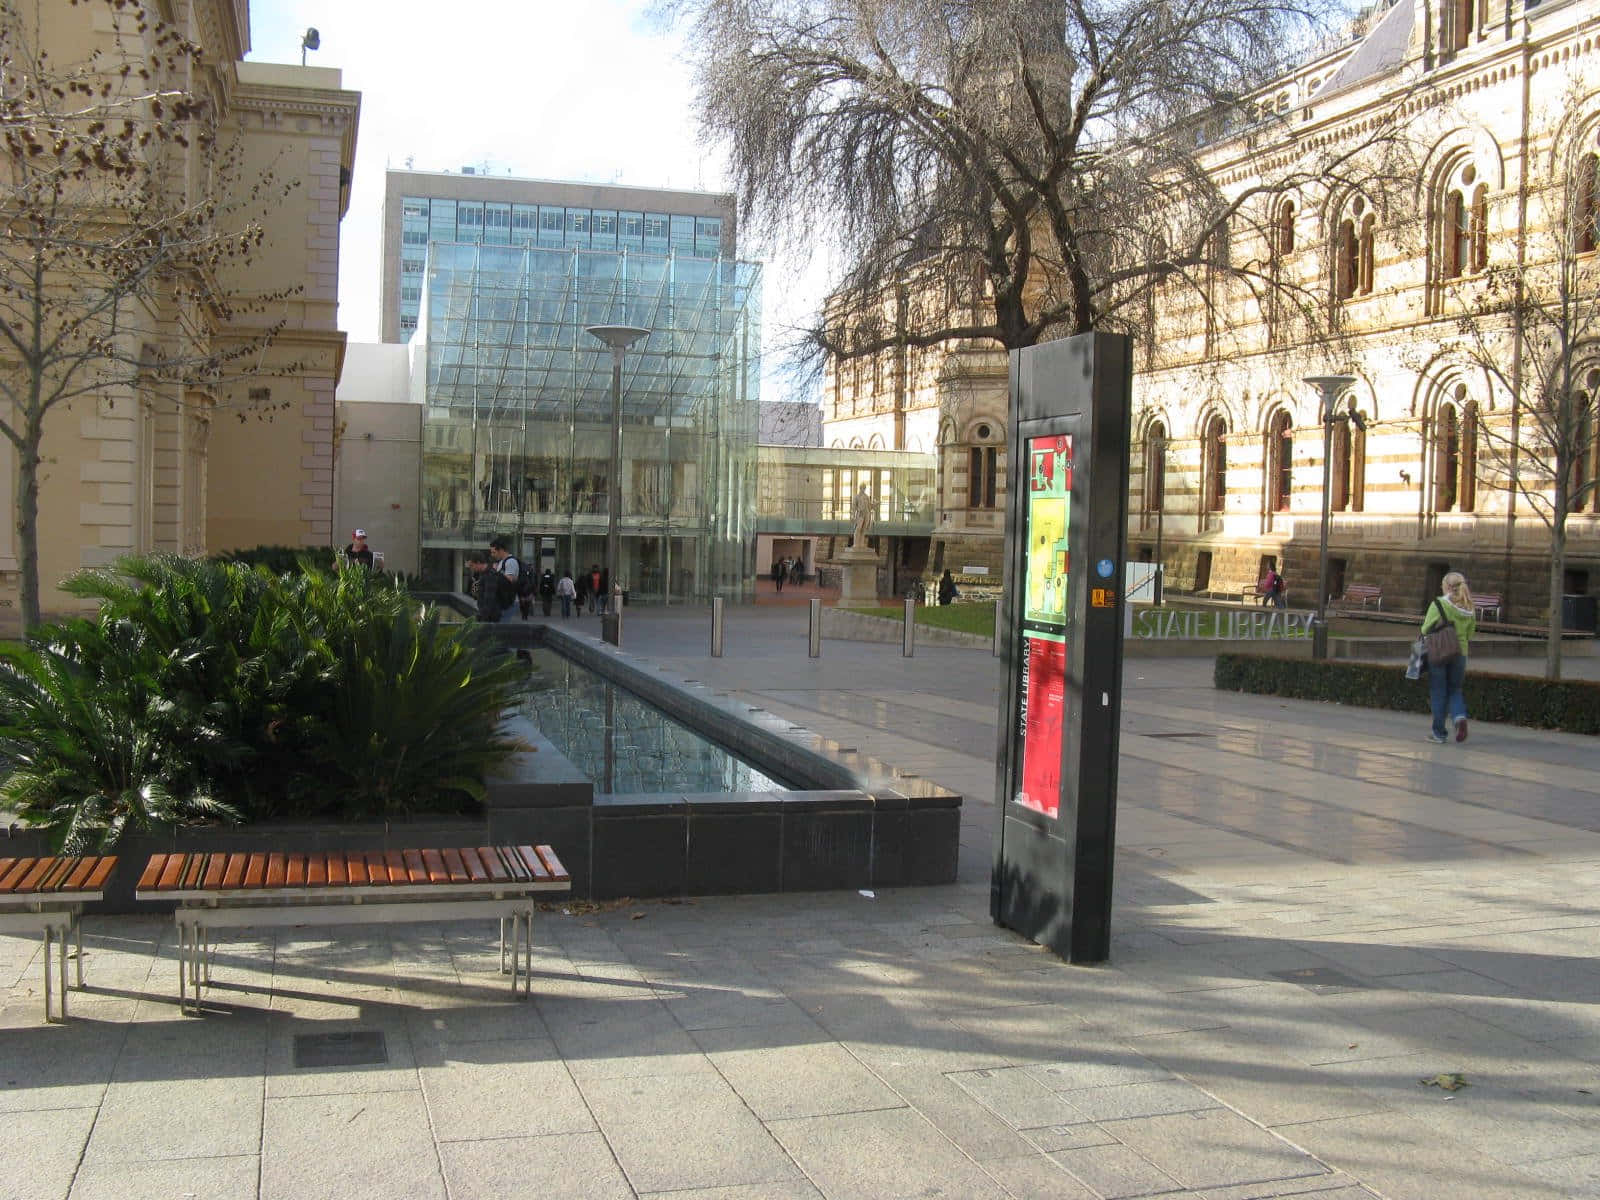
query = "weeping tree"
{"x": 1046, "y": 159}
{"x": 126, "y": 220}
{"x": 1532, "y": 327}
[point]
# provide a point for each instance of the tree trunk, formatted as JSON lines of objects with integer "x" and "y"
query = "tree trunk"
{"x": 27, "y": 498}
{"x": 1558, "y": 571}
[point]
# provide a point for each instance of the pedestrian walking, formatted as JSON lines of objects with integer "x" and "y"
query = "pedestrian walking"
{"x": 547, "y": 590}
{"x": 1452, "y": 608}
{"x": 947, "y": 587}
{"x": 568, "y": 592}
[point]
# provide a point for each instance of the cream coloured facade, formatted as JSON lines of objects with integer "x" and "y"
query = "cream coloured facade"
{"x": 1501, "y": 108}
{"x": 173, "y": 468}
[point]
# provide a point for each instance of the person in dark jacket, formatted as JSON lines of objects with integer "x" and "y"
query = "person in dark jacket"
{"x": 485, "y": 586}
{"x": 547, "y": 590}
{"x": 947, "y": 587}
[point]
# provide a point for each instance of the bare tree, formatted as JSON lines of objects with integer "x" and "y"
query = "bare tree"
{"x": 1532, "y": 326}
{"x": 125, "y": 224}
{"x": 1045, "y": 157}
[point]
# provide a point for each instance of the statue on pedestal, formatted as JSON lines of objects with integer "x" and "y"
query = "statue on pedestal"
{"x": 861, "y": 512}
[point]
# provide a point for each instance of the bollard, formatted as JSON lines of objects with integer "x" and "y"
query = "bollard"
{"x": 716, "y": 627}
{"x": 815, "y": 606}
{"x": 999, "y": 641}
{"x": 611, "y": 619}
{"x": 908, "y": 635}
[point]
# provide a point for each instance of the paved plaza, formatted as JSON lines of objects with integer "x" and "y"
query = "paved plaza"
{"x": 1316, "y": 911}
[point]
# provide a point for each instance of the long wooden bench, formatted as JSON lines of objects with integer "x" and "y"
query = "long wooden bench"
{"x": 339, "y": 887}
{"x": 46, "y": 896}
{"x": 1359, "y": 595}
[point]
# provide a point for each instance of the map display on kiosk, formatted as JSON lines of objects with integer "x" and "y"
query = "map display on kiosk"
{"x": 1046, "y": 571}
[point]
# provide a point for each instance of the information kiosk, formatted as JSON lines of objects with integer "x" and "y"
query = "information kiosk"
{"x": 1061, "y": 632}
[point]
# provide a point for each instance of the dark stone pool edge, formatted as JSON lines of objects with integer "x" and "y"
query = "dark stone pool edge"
{"x": 855, "y": 823}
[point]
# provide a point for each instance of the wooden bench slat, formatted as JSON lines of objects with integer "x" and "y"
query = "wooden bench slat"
{"x": 433, "y": 863}
{"x": 295, "y": 874}
{"x": 171, "y": 872}
{"x": 233, "y": 877}
{"x": 29, "y": 882}
{"x": 355, "y": 869}
{"x": 416, "y": 870}
{"x": 553, "y": 864}
{"x": 80, "y": 873}
{"x": 19, "y": 868}
{"x": 396, "y": 863}
{"x": 277, "y": 868}
{"x": 474, "y": 865}
{"x": 58, "y": 873}
{"x": 6, "y": 867}
{"x": 456, "y": 869}
{"x": 536, "y": 867}
{"x": 255, "y": 870}
{"x": 316, "y": 870}
{"x": 491, "y": 862}
{"x": 216, "y": 870}
{"x": 152, "y": 872}
{"x": 194, "y": 871}
{"x": 103, "y": 867}
{"x": 338, "y": 870}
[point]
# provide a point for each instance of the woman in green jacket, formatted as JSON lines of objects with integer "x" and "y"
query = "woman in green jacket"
{"x": 1444, "y": 681}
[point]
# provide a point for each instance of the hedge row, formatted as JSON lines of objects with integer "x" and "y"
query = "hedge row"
{"x": 1569, "y": 705}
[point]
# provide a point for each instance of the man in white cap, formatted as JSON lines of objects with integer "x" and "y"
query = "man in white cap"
{"x": 358, "y": 553}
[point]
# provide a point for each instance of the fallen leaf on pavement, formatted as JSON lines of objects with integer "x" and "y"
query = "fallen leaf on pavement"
{"x": 1450, "y": 1081}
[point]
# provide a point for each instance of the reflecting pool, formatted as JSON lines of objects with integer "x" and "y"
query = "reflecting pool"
{"x": 623, "y": 745}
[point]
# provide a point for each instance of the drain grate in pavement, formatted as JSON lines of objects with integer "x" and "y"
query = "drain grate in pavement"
{"x": 354, "y": 1048}
{"x": 1320, "y": 979}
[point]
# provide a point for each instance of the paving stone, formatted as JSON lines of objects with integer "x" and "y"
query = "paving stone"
{"x": 683, "y": 1131}
{"x": 42, "y": 1150}
{"x": 570, "y": 1166}
{"x": 230, "y": 1178}
{"x": 1115, "y": 1172}
{"x": 1213, "y": 1148}
{"x": 1139, "y": 1100}
{"x": 478, "y": 1090}
{"x": 882, "y": 1155}
{"x": 373, "y": 1144}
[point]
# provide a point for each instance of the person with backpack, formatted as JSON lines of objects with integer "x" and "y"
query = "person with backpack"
{"x": 506, "y": 566}
{"x": 547, "y": 590}
{"x": 485, "y": 588}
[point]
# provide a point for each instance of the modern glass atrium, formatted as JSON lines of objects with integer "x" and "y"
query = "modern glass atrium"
{"x": 517, "y": 431}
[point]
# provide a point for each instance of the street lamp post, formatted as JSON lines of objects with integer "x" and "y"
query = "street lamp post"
{"x": 619, "y": 338}
{"x": 1329, "y": 387}
{"x": 1158, "y": 448}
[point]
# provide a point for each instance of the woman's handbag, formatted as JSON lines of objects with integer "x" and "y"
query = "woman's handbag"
{"x": 1442, "y": 644}
{"x": 1418, "y": 662}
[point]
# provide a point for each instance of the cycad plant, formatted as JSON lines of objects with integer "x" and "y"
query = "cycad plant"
{"x": 93, "y": 743}
{"x": 214, "y": 689}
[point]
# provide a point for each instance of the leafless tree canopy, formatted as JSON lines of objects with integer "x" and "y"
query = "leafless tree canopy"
{"x": 125, "y": 222}
{"x": 1045, "y": 151}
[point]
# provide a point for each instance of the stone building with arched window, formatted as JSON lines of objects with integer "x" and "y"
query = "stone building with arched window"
{"x": 1495, "y": 194}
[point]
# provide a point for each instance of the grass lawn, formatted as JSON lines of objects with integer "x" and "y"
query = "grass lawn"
{"x": 964, "y": 618}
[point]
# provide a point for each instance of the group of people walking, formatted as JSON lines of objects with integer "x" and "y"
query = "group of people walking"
{"x": 788, "y": 570}
{"x": 501, "y": 586}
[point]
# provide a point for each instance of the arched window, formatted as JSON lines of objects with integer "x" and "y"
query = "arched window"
{"x": 1456, "y": 17}
{"x": 1586, "y": 204}
{"x": 1353, "y": 249}
{"x": 1463, "y": 232}
{"x": 1280, "y": 461}
{"x": 983, "y": 466}
{"x": 1214, "y": 448}
{"x": 1586, "y": 448}
{"x": 1282, "y": 233}
{"x": 1155, "y": 468}
{"x": 1455, "y": 453}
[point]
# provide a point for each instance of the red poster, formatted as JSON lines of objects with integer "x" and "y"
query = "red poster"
{"x": 1044, "y": 708}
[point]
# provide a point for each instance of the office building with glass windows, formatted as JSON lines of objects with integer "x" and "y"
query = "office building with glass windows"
{"x": 423, "y": 207}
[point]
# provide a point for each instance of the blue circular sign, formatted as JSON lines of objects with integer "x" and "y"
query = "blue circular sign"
{"x": 1104, "y": 568}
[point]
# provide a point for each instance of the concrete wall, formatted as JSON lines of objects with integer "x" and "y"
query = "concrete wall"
{"x": 379, "y": 471}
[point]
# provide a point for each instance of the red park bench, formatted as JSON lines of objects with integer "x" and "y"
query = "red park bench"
{"x": 1484, "y": 603}
{"x": 47, "y": 895}
{"x": 348, "y": 887}
{"x": 1359, "y": 595}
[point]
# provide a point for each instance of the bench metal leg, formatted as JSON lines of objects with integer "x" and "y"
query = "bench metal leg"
{"x": 64, "y": 940}
{"x": 77, "y": 928}
{"x": 48, "y": 966}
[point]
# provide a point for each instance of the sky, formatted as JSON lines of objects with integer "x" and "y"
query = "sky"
{"x": 590, "y": 90}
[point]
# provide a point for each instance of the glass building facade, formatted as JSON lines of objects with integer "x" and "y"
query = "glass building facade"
{"x": 519, "y": 412}
{"x": 426, "y": 220}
